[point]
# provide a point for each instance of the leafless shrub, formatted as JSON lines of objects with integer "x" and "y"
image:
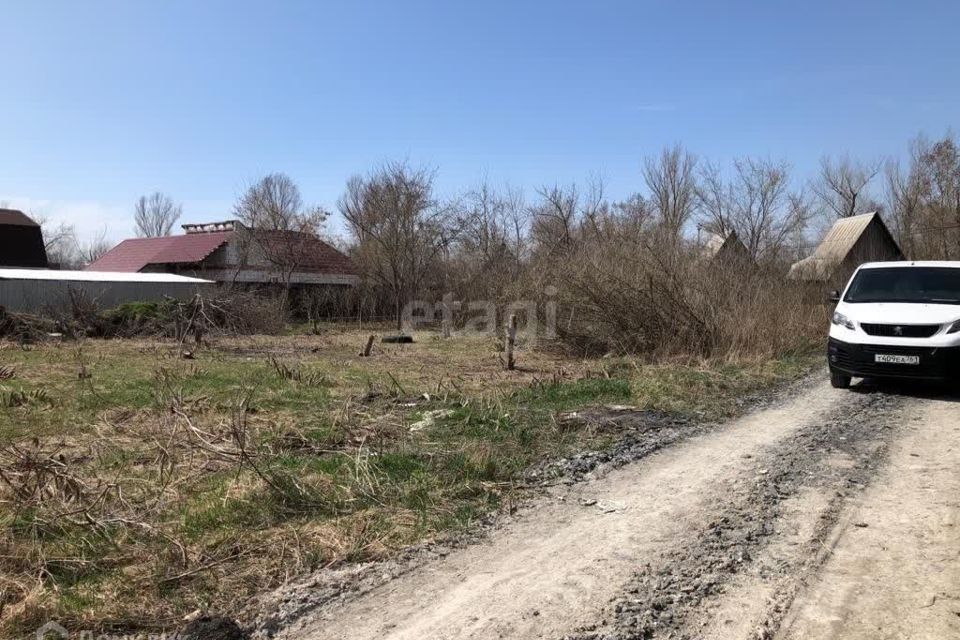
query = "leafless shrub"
{"x": 630, "y": 293}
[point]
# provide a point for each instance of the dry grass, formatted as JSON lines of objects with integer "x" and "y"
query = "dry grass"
{"x": 136, "y": 486}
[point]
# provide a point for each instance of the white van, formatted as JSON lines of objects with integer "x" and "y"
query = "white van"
{"x": 897, "y": 320}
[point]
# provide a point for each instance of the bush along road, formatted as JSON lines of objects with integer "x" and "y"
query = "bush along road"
{"x": 824, "y": 514}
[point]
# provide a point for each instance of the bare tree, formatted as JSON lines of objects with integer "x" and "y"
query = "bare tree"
{"x": 905, "y": 199}
{"x": 154, "y": 215}
{"x": 842, "y": 186}
{"x": 756, "y": 204}
{"x": 634, "y": 213}
{"x": 560, "y": 214}
{"x": 398, "y": 228}
{"x": 59, "y": 242}
{"x": 282, "y": 229}
{"x": 93, "y": 249}
{"x": 555, "y": 217}
{"x": 941, "y": 175}
{"x": 925, "y": 199}
{"x": 491, "y": 244}
{"x": 671, "y": 180}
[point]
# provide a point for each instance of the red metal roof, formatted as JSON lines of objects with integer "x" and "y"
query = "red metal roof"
{"x": 307, "y": 251}
{"x": 133, "y": 255}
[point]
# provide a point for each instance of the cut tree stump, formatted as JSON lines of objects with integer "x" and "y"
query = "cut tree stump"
{"x": 365, "y": 352}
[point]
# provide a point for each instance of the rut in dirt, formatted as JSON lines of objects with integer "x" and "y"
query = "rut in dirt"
{"x": 671, "y": 598}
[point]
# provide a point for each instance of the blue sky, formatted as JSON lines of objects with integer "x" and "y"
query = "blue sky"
{"x": 104, "y": 101}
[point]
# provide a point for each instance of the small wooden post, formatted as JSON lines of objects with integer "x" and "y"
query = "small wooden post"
{"x": 365, "y": 353}
{"x": 511, "y": 341}
{"x": 446, "y": 315}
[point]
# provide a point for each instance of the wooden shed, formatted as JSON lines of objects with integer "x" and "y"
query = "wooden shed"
{"x": 849, "y": 243}
{"x": 21, "y": 241}
{"x": 726, "y": 250}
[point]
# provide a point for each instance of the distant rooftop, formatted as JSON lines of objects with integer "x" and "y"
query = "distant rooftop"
{"x": 136, "y": 253}
{"x": 201, "y": 240}
{"x": 17, "y": 218}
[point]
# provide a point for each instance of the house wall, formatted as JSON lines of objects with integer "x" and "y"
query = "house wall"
{"x": 222, "y": 266}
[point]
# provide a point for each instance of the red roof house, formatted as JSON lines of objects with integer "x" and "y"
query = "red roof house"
{"x": 230, "y": 252}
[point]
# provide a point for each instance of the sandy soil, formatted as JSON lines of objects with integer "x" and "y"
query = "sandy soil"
{"x": 894, "y": 571}
{"x": 754, "y": 529}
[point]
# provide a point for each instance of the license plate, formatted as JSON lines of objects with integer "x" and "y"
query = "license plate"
{"x": 891, "y": 359}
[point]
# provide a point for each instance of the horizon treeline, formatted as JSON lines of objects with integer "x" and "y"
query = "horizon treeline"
{"x": 504, "y": 243}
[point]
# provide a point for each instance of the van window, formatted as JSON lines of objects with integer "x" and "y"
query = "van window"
{"x": 921, "y": 285}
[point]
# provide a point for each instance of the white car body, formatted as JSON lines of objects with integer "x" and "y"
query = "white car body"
{"x": 853, "y": 351}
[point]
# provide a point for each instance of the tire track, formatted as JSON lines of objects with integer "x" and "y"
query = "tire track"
{"x": 679, "y": 595}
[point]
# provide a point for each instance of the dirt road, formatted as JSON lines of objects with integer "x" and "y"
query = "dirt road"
{"x": 833, "y": 514}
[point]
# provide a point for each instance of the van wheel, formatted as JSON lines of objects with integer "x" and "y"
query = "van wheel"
{"x": 839, "y": 381}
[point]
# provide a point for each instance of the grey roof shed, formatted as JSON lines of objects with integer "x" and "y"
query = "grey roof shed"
{"x": 849, "y": 243}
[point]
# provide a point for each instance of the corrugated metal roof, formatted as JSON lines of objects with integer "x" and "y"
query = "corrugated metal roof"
{"x": 133, "y": 255}
{"x": 842, "y": 236}
{"x": 835, "y": 247}
{"x": 96, "y": 276}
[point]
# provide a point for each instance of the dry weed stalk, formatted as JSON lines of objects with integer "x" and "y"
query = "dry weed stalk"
{"x": 297, "y": 374}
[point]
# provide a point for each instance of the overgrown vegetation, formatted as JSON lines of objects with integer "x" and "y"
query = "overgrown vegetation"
{"x": 136, "y": 486}
{"x": 637, "y": 275}
{"x": 228, "y": 313}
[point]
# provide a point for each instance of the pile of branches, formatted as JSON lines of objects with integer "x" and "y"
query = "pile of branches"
{"x": 25, "y": 328}
{"x": 229, "y": 313}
